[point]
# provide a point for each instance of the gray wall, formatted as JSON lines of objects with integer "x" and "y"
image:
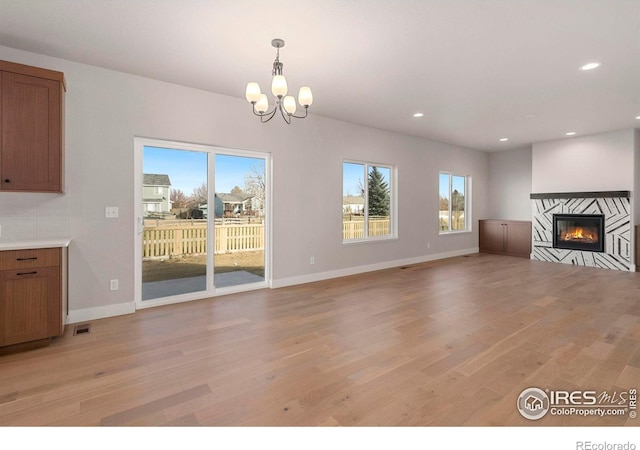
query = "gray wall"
{"x": 510, "y": 185}
{"x": 105, "y": 110}
{"x": 599, "y": 162}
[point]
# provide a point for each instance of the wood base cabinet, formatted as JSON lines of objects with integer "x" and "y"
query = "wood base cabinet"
{"x": 30, "y": 295}
{"x": 505, "y": 237}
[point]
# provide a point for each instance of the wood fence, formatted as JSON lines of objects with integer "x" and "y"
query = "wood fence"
{"x": 177, "y": 240}
{"x": 191, "y": 238}
{"x": 354, "y": 228}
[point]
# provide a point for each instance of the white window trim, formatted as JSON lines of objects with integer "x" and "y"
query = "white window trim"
{"x": 393, "y": 210}
{"x": 467, "y": 204}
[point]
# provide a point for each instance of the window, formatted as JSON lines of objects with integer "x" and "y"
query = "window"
{"x": 454, "y": 203}
{"x": 367, "y": 201}
{"x": 159, "y": 190}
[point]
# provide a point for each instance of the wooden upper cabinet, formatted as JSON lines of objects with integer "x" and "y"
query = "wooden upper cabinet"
{"x": 31, "y": 129}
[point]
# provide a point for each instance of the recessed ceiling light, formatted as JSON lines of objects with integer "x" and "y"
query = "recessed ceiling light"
{"x": 418, "y": 115}
{"x": 504, "y": 139}
{"x": 590, "y": 66}
{"x": 638, "y": 117}
{"x": 571, "y": 133}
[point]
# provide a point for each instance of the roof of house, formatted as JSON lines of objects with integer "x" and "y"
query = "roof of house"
{"x": 232, "y": 198}
{"x": 155, "y": 179}
{"x": 352, "y": 200}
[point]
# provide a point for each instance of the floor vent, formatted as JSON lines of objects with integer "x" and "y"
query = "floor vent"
{"x": 82, "y": 329}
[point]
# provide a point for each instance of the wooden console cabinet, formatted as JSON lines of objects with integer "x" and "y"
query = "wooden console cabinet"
{"x": 31, "y": 128}
{"x": 505, "y": 237}
{"x": 31, "y": 306}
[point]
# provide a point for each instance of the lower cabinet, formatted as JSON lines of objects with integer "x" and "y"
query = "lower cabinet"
{"x": 30, "y": 295}
{"x": 505, "y": 237}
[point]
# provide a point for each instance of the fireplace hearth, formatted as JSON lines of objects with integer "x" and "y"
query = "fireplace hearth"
{"x": 579, "y": 232}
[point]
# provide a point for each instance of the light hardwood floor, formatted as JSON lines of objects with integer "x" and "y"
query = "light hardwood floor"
{"x": 451, "y": 342}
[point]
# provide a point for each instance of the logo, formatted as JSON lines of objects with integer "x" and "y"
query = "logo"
{"x": 533, "y": 403}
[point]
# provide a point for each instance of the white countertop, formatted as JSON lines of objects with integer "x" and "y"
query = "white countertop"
{"x": 38, "y": 243}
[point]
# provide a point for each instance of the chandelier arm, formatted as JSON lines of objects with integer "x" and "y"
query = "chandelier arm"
{"x": 285, "y": 116}
{"x": 306, "y": 110}
{"x": 268, "y": 115}
{"x": 264, "y": 114}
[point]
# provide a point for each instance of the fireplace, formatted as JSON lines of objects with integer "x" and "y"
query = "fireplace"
{"x": 579, "y": 232}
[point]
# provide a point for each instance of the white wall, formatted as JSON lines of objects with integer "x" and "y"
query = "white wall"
{"x": 105, "y": 110}
{"x": 599, "y": 162}
{"x": 510, "y": 184}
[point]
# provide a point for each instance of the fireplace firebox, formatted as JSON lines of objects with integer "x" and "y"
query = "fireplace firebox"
{"x": 579, "y": 232}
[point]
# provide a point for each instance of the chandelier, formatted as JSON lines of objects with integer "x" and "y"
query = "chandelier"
{"x": 286, "y": 104}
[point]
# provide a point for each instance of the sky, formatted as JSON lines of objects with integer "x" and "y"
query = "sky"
{"x": 457, "y": 184}
{"x": 353, "y": 177}
{"x": 188, "y": 169}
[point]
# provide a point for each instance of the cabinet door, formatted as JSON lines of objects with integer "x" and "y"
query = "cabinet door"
{"x": 491, "y": 236}
{"x": 30, "y": 307}
{"x": 518, "y": 239}
{"x": 30, "y": 133}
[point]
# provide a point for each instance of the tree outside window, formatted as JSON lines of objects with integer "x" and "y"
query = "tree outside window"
{"x": 366, "y": 205}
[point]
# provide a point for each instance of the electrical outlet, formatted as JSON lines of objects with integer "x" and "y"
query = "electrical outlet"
{"x": 113, "y": 285}
{"x": 111, "y": 212}
{"x": 312, "y": 260}
{"x": 428, "y": 244}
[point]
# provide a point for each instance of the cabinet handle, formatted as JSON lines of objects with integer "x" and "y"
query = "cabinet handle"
{"x": 27, "y": 259}
{"x": 27, "y": 273}
{"x": 6, "y": 180}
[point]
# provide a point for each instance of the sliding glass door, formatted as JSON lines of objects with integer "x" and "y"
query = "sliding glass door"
{"x": 239, "y": 220}
{"x": 174, "y": 205}
{"x": 193, "y": 241}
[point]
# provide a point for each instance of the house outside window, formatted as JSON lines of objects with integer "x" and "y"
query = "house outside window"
{"x": 454, "y": 203}
{"x": 155, "y": 197}
{"x": 367, "y": 201}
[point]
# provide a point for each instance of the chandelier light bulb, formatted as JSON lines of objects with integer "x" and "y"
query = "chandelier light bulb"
{"x": 305, "y": 96}
{"x": 279, "y": 86}
{"x": 263, "y": 104}
{"x": 253, "y": 92}
{"x": 289, "y": 104}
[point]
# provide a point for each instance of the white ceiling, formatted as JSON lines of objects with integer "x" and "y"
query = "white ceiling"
{"x": 479, "y": 70}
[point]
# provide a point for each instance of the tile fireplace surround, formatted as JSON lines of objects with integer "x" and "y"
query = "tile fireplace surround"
{"x": 616, "y": 208}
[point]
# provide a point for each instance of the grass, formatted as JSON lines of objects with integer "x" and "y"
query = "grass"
{"x": 193, "y": 266}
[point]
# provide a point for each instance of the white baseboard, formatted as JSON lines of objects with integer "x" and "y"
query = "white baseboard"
{"x": 319, "y": 276}
{"x": 100, "y": 312}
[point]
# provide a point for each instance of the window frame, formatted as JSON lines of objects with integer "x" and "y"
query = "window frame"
{"x": 467, "y": 203}
{"x": 393, "y": 200}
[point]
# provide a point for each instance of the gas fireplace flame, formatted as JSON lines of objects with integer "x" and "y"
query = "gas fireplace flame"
{"x": 579, "y": 234}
